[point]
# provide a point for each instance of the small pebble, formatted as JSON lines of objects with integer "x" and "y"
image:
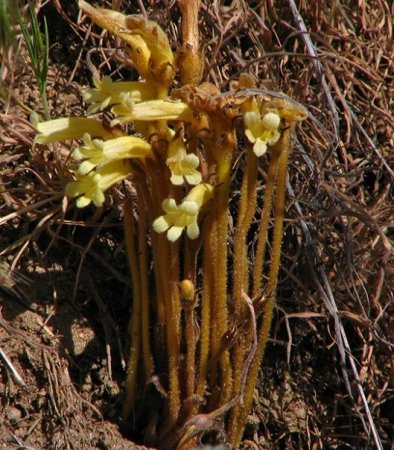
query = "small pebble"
{"x": 14, "y": 414}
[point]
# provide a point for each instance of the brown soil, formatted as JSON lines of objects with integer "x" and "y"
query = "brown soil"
{"x": 65, "y": 294}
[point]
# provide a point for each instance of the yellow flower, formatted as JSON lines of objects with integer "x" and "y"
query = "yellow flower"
{"x": 68, "y": 128}
{"x": 185, "y": 215}
{"x": 106, "y": 92}
{"x": 155, "y": 37}
{"x": 91, "y": 154}
{"x": 99, "y": 153}
{"x": 150, "y": 50}
{"x": 262, "y": 130}
{"x": 126, "y": 147}
{"x": 115, "y": 22}
{"x": 181, "y": 164}
{"x": 128, "y": 110}
{"x": 91, "y": 187}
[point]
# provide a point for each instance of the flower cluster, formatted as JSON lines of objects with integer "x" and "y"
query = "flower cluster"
{"x": 178, "y": 148}
{"x": 104, "y": 156}
{"x": 104, "y": 160}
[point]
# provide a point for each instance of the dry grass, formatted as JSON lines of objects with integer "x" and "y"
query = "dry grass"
{"x": 328, "y": 378}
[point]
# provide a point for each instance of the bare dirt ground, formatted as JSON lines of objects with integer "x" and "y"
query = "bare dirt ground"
{"x": 327, "y": 381}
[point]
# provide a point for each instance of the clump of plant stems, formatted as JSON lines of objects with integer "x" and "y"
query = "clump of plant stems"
{"x": 203, "y": 225}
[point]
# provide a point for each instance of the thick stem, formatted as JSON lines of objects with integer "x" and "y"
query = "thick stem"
{"x": 190, "y": 327}
{"x": 167, "y": 336}
{"x": 135, "y": 321}
{"x": 246, "y": 211}
{"x": 222, "y": 154}
{"x": 166, "y": 260}
{"x": 241, "y": 411}
{"x": 264, "y": 224}
{"x": 153, "y": 204}
{"x": 189, "y": 59}
{"x": 144, "y": 272}
{"x": 191, "y": 341}
{"x": 209, "y": 261}
{"x": 173, "y": 336}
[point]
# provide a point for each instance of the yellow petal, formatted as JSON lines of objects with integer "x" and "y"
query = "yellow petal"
{"x": 194, "y": 178}
{"x": 250, "y": 136}
{"x": 200, "y": 194}
{"x": 154, "y": 36}
{"x": 193, "y": 230}
{"x": 112, "y": 173}
{"x": 185, "y": 215}
{"x": 162, "y": 110}
{"x": 86, "y": 189}
{"x": 106, "y": 92}
{"x": 189, "y": 207}
{"x": 176, "y": 180}
{"x": 91, "y": 187}
{"x": 174, "y": 233}
{"x": 160, "y": 225}
{"x": 260, "y": 147}
{"x": 126, "y": 147}
{"x": 253, "y": 126}
{"x": 69, "y": 128}
{"x": 152, "y": 110}
{"x": 271, "y": 121}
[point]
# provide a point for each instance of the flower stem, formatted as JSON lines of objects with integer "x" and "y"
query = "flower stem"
{"x": 173, "y": 336}
{"x": 246, "y": 212}
{"x": 135, "y": 321}
{"x": 241, "y": 410}
{"x": 143, "y": 264}
{"x": 189, "y": 58}
{"x": 209, "y": 261}
{"x": 219, "y": 312}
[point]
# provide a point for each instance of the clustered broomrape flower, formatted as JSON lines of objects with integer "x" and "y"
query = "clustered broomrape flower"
{"x": 103, "y": 159}
{"x": 91, "y": 187}
{"x": 97, "y": 153}
{"x": 261, "y": 130}
{"x": 106, "y": 92}
{"x": 181, "y": 164}
{"x": 185, "y": 215}
{"x": 179, "y": 148}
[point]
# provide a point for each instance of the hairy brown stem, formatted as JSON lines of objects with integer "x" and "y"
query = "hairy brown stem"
{"x": 189, "y": 59}
{"x": 241, "y": 410}
{"x": 135, "y": 321}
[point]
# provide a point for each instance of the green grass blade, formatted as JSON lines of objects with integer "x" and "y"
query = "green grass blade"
{"x": 37, "y": 45}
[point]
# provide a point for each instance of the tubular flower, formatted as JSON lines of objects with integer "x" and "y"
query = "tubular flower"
{"x": 115, "y": 22}
{"x": 185, "y": 215}
{"x": 69, "y": 128}
{"x": 90, "y": 187}
{"x": 150, "y": 50}
{"x": 97, "y": 153}
{"x": 150, "y": 110}
{"x": 155, "y": 37}
{"x": 106, "y": 92}
{"x": 181, "y": 164}
{"x": 262, "y": 131}
{"x": 91, "y": 154}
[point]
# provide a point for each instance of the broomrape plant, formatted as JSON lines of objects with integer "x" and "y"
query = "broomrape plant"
{"x": 203, "y": 232}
